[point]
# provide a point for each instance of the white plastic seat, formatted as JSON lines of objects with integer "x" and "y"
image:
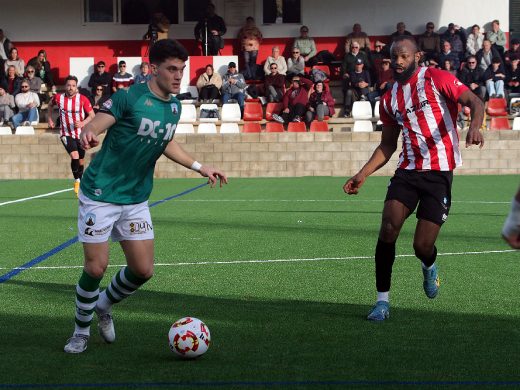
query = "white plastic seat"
{"x": 5, "y": 130}
{"x": 188, "y": 113}
{"x": 516, "y": 123}
{"x": 185, "y": 128}
{"x": 207, "y": 128}
{"x": 208, "y": 106}
{"x": 361, "y": 109}
{"x": 24, "y": 130}
{"x": 362, "y": 126}
{"x": 229, "y": 128}
{"x": 376, "y": 110}
{"x": 231, "y": 112}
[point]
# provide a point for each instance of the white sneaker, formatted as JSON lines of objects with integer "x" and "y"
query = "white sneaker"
{"x": 1, "y": 122}
{"x": 76, "y": 344}
{"x": 106, "y": 327}
{"x": 26, "y": 123}
{"x": 278, "y": 118}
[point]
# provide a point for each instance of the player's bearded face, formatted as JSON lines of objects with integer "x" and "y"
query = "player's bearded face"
{"x": 169, "y": 74}
{"x": 404, "y": 63}
{"x": 71, "y": 88}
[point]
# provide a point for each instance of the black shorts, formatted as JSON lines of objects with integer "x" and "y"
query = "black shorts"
{"x": 72, "y": 145}
{"x": 430, "y": 189}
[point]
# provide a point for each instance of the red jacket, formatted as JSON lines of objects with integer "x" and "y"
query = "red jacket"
{"x": 326, "y": 97}
{"x": 299, "y": 95}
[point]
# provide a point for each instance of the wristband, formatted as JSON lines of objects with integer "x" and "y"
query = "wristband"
{"x": 196, "y": 166}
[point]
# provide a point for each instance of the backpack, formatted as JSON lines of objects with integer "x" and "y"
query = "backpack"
{"x": 207, "y": 113}
{"x": 318, "y": 75}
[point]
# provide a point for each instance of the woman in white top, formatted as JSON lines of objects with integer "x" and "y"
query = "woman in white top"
{"x": 277, "y": 59}
{"x": 27, "y": 103}
{"x": 16, "y": 61}
{"x": 474, "y": 41}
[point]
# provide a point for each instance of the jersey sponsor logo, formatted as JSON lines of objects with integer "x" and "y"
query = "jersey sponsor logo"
{"x": 149, "y": 128}
{"x": 140, "y": 227}
{"x": 418, "y": 106}
{"x": 457, "y": 83}
{"x": 108, "y": 104}
{"x": 148, "y": 103}
{"x": 97, "y": 232}
{"x": 175, "y": 108}
{"x": 444, "y": 217}
{"x": 90, "y": 219}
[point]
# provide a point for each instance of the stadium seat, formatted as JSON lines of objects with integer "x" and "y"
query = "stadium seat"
{"x": 361, "y": 109}
{"x": 297, "y": 127}
{"x": 231, "y": 112}
{"x": 272, "y": 108}
{"x": 362, "y": 126}
{"x": 188, "y": 113}
{"x": 5, "y": 130}
{"x": 319, "y": 126}
{"x": 499, "y": 123}
{"x": 229, "y": 128}
{"x": 208, "y": 106}
{"x": 251, "y": 127}
{"x": 497, "y": 107}
{"x": 376, "y": 109}
{"x": 274, "y": 127}
{"x": 207, "y": 128}
{"x": 516, "y": 123}
{"x": 253, "y": 111}
{"x": 185, "y": 128}
{"x": 24, "y": 130}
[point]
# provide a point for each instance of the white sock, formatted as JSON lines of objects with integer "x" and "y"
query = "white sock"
{"x": 425, "y": 267}
{"x": 82, "y": 331}
{"x": 103, "y": 304}
{"x": 77, "y": 180}
{"x": 383, "y": 296}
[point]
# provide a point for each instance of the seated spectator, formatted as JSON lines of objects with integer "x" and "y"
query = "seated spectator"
{"x": 100, "y": 77}
{"x": 145, "y": 74}
{"x": 486, "y": 55}
{"x": 306, "y": 45}
{"x": 351, "y": 58}
{"x": 5, "y": 45}
{"x": 384, "y": 80}
{"x": 473, "y": 77}
{"x": 250, "y": 38}
{"x": 514, "y": 50}
{"x": 448, "y": 66}
{"x": 6, "y": 105}
{"x": 121, "y": 79}
{"x": 358, "y": 36}
{"x": 295, "y": 101}
{"x": 13, "y": 81}
{"x": 295, "y": 64}
{"x": 27, "y": 103}
{"x": 277, "y": 59}
{"x": 358, "y": 86}
{"x": 429, "y": 42}
{"x": 513, "y": 76}
{"x": 98, "y": 98}
{"x": 474, "y": 41}
{"x": 495, "y": 76}
{"x": 43, "y": 69}
{"x": 376, "y": 57}
{"x": 274, "y": 84}
{"x": 35, "y": 83}
{"x": 17, "y": 62}
{"x": 449, "y": 55}
{"x": 3, "y": 74}
{"x": 209, "y": 84}
{"x": 497, "y": 37}
{"x": 234, "y": 86}
{"x": 321, "y": 103}
{"x": 400, "y": 30}
{"x": 456, "y": 36}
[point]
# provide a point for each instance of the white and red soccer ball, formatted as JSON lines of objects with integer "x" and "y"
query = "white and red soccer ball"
{"x": 189, "y": 337}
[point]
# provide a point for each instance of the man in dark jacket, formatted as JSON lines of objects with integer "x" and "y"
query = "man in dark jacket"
{"x": 358, "y": 87}
{"x": 100, "y": 77}
{"x": 209, "y": 31}
{"x": 472, "y": 77}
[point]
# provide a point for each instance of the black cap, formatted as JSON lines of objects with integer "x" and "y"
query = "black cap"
{"x": 100, "y": 63}
{"x": 232, "y": 65}
{"x": 359, "y": 61}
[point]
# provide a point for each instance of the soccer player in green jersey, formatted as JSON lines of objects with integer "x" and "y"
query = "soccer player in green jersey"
{"x": 114, "y": 192}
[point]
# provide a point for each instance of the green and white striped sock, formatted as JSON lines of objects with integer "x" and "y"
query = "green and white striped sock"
{"x": 87, "y": 293}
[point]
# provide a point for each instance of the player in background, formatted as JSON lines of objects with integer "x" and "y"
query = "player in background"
{"x": 511, "y": 229}
{"x": 422, "y": 104}
{"x": 75, "y": 111}
{"x": 114, "y": 192}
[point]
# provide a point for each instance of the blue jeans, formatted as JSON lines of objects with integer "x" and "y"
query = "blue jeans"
{"x": 250, "y": 63}
{"x": 495, "y": 87}
{"x": 30, "y": 115}
{"x": 240, "y": 97}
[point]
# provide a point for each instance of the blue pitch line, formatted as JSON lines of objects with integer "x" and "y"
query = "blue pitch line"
{"x": 15, "y": 271}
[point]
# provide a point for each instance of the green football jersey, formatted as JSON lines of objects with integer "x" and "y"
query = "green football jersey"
{"x": 122, "y": 171}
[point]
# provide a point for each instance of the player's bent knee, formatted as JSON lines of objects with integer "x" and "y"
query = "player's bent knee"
{"x": 389, "y": 231}
{"x": 422, "y": 250}
{"x": 143, "y": 272}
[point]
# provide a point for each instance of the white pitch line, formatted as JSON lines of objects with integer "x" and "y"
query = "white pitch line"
{"x": 35, "y": 197}
{"x": 230, "y": 262}
{"x": 325, "y": 200}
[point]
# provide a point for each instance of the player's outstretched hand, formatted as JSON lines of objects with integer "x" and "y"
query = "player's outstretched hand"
{"x": 353, "y": 184}
{"x": 474, "y": 137}
{"x": 213, "y": 175}
{"x": 89, "y": 140}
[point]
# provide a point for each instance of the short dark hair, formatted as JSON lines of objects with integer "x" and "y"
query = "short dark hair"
{"x": 403, "y": 38}
{"x": 71, "y": 77}
{"x": 167, "y": 48}
{"x": 496, "y": 60}
{"x": 121, "y": 63}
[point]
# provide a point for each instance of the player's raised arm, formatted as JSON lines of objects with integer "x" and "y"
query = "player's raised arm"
{"x": 90, "y": 133}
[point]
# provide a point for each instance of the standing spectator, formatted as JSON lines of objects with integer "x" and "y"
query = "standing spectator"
{"x": 274, "y": 84}
{"x": 295, "y": 101}
{"x": 27, "y": 103}
{"x": 486, "y": 55}
{"x": 234, "y": 86}
{"x": 157, "y": 29}
{"x": 209, "y": 85}
{"x": 209, "y": 31}
{"x": 495, "y": 76}
{"x": 145, "y": 75}
{"x": 474, "y": 41}
{"x": 100, "y": 77}
{"x": 14, "y": 60}
{"x": 513, "y": 76}
{"x": 457, "y": 39}
{"x": 277, "y": 59}
{"x": 295, "y": 64}
{"x": 306, "y": 45}
{"x": 447, "y": 54}
{"x": 13, "y": 81}
{"x": 358, "y": 86}
{"x": 321, "y": 103}
{"x": 429, "y": 42}
{"x": 98, "y": 98}
{"x": 497, "y": 37}
{"x": 121, "y": 79}
{"x": 359, "y": 36}
{"x": 75, "y": 111}
{"x": 5, "y": 45}
{"x": 400, "y": 31}
{"x": 43, "y": 69}
{"x": 514, "y": 50}
{"x": 472, "y": 76}
{"x": 250, "y": 38}
{"x": 6, "y": 105}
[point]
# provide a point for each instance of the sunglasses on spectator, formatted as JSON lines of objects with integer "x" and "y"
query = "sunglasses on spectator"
{"x": 99, "y": 89}
{"x": 30, "y": 71}
{"x": 429, "y": 27}
{"x": 472, "y": 62}
{"x": 296, "y": 52}
{"x": 25, "y": 86}
{"x": 122, "y": 66}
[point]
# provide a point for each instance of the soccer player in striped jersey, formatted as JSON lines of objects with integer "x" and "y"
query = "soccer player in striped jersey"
{"x": 422, "y": 105}
{"x": 113, "y": 198}
{"x": 75, "y": 111}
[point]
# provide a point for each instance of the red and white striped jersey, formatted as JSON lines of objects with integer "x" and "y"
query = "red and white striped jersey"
{"x": 71, "y": 109}
{"x": 426, "y": 109}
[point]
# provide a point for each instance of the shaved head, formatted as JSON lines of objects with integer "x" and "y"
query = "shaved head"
{"x": 405, "y": 58}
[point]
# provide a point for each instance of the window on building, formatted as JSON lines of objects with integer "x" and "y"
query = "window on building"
{"x": 141, "y": 11}
{"x": 100, "y": 11}
{"x": 194, "y": 10}
{"x": 282, "y": 11}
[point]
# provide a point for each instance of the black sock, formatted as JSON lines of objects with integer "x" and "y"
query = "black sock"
{"x": 74, "y": 166}
{"x": 80, "y": 171}
{"x": 428, "y": 261}
{"x": 385, "y": 256}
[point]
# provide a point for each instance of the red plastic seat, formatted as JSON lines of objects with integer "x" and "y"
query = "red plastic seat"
{"x": 297, "y": 127}
{"x": 253, "y": 111}
{"x": 251, "y": 127}
{"x": 319, "y": 126}
{"x": 273, "y": 108}
{"x": 497, "y": 107}
{"x": 499, "y": 124}
{"x": 274, "y": 127}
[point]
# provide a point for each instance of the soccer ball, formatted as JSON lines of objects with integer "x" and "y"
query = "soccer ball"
{"x": 189, "y": 337}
